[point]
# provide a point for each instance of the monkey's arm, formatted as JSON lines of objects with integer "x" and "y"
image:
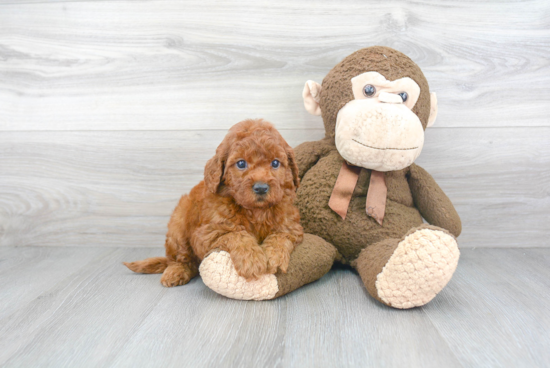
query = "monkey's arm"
{"x": 308, "y": 153}
{"x": 432, "y": 202}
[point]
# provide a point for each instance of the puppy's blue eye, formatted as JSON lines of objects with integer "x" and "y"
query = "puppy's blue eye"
{"x": 241, "y": 164}
{"x": 404, "y": 96}
{"x": 275, "y": 164}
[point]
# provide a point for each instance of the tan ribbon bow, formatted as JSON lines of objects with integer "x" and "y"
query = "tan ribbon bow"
{"x": 343, "y": 190}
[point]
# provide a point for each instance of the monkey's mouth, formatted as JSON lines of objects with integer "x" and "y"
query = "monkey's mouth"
{"x": 384, "y": 149}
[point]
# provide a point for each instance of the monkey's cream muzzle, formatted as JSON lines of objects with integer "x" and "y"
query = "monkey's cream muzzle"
{"x": 382, "y": 136}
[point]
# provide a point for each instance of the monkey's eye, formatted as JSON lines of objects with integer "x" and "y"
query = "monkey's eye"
{"x": 242, "y": 164}
{"x": 404, "y": 96}
{"x": 369, "y": 90}
{"x": 275, "y": 164}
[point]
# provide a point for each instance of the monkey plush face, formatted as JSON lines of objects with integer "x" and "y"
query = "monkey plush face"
{"x": 376, "y": 105}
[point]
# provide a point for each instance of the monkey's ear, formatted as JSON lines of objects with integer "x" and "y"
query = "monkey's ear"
{"x": 433, "y": 109}
{"x": 213, "y": 171}
{"x": 311, "y": 95}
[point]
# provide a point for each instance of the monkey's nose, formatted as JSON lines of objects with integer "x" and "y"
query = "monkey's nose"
{"x": 390, "y": 98}
{"x": 260, "y": 188}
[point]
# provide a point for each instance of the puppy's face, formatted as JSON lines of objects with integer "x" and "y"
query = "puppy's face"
{"x": 257, "y": 166}
{"x": 257, "y": 175}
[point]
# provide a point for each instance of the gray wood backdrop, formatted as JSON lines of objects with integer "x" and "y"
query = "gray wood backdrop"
{"x": 109, "y": 109}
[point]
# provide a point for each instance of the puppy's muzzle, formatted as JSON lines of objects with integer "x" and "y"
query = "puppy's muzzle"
{"x": 260, "y": 188}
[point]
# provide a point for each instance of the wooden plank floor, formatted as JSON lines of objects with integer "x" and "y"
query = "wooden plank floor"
{"x": 79, "y": 307}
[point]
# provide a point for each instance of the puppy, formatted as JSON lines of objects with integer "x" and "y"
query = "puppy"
{"x": 244, "y": 206}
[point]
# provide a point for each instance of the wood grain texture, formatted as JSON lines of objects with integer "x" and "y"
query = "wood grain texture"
{"x": 332, "y": 323}
{"x": 85, "y": 318}
{"x": 119, "y": 188}
{"x": 493, "y": 313}
{"x": 174, "y": 65}
{"x": 364, "y": 333}
{"x": 29, "y": 272}
{"x": 491, "y": 288}
{"x": 101, "y": 188}
{"x": 498, "y": 180}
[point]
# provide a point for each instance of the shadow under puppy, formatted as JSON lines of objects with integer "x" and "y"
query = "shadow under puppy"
{"x": 244, "y": 206}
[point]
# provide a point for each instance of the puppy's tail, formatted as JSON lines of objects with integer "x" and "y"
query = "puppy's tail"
{"x": 149, "y": 265}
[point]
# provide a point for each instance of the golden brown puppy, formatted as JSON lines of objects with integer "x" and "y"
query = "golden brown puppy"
{"x": 244, "y": 206}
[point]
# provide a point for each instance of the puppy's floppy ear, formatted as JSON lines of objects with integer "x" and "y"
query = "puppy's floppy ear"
{"x": 213, "y": 171}
{"x": 292, "y": 165}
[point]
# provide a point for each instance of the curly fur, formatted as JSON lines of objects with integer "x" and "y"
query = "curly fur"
{"x": 223, "y": 212}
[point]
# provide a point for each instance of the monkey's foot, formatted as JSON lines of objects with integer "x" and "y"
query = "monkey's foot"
{"x": 413, "y": 271}
{"x": 310, "y": 261}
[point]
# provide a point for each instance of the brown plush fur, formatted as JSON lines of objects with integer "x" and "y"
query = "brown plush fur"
{"x": 310, "y": 261}
{"x": 258, "y": 231}
{"x": 412, "y": 192}
{"x": 371, "y": 262}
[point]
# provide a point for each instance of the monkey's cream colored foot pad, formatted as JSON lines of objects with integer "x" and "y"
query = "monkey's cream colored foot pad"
{"x": 219, "y": 274}
{"x": 419, "y": 269}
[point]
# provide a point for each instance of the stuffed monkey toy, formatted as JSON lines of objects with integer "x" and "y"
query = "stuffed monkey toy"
{"x": 362, "y": 199}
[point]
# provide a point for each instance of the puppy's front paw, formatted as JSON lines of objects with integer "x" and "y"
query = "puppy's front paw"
{"x": 250, "y": 262}
{"x": 277, "y": 257}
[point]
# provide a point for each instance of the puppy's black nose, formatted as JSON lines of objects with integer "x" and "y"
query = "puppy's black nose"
{"x": 260, "y": 188}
